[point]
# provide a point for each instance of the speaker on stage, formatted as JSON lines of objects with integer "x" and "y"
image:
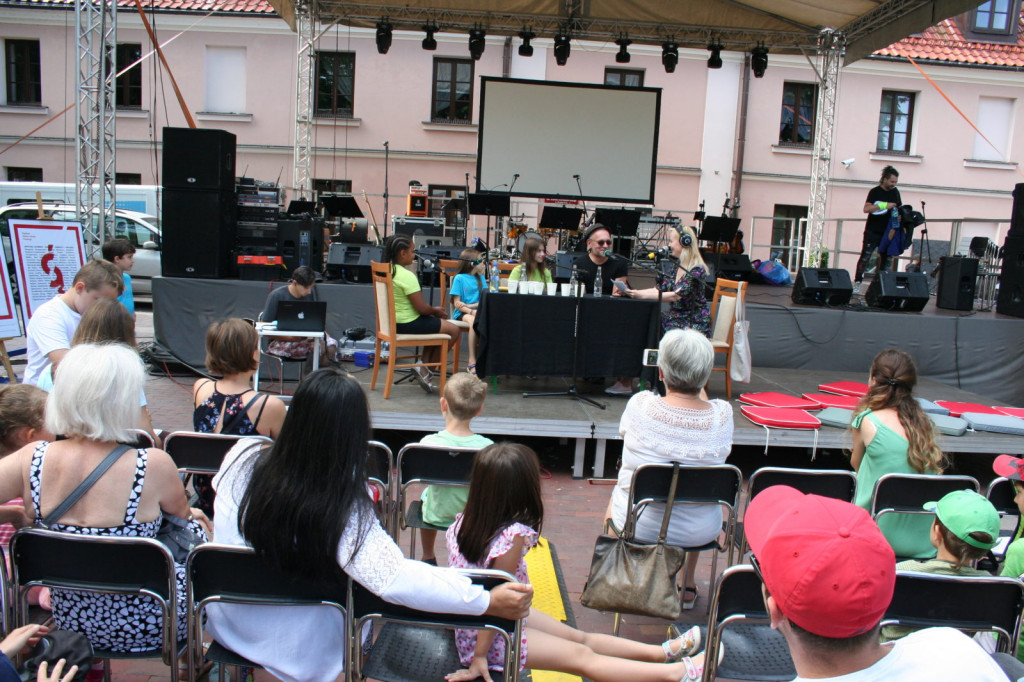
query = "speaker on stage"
{"x": 199, "y": 158}
{"x": 563, "y": 264}
{"x": 729, "y": 265}
{"x": 958, "y": 279}
{"x": 1010, "y": 300}
{"x": 822, "y": 286}
{"x": 300, "y": 241}
{"x": 906, "y": 291}
{"x": 198, "y": 233}
{"x": 351, "y": 262}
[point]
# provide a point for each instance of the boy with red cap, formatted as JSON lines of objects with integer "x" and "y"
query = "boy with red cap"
{"x": 828, "y": 576}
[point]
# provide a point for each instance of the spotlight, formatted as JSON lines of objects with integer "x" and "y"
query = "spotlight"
{"x": 759, "y": 60}
{"x": 383, "y": 36}
{"x": 715, "y": 60}
{"x": 430, "y": 42}
{"x": 562, "y": 46}
{"x": 477, "y": 43}
{"x": 670, "y": 56}
{"x": 622, "y": 57}
{"x": 526, "y": 49}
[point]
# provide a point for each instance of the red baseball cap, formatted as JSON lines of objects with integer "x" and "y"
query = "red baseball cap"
{"x": 825, "y": 562}
{"x": 1009, "y": 466}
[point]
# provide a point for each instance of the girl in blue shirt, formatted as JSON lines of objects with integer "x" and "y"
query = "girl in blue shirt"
{"x": 465, "y": 294}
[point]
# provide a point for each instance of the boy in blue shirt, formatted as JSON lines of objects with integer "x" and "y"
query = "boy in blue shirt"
{"x": 121, "y": 253}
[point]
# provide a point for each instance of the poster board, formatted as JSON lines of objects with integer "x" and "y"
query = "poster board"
{"x": 9, "y": 327}
{"x": 47, "y": 256}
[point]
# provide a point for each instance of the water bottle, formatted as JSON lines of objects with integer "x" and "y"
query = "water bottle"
{"x": 522, "y": 275}
{"x": 495, "y": 277}
{"x": 573, "y": 282}
{"x": 598, "y": 284}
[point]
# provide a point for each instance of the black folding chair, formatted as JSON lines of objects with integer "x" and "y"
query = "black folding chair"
{"x": 103, "y": 564}
{"x": 969, "y": 603}
{"x": 201, "y": 453}
{"x": 839, "y": 484}
{"x": 908, "y": 493}
{"x": 222, "y": 574}
{"x": 381, "y": 468}
{"x": 739, "y": 620}
{"x": 420, "y": 465}
{"x": 416, "y": 646}
{"x": 1000, "y": 493}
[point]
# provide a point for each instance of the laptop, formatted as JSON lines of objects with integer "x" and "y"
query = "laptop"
{"x": 301, "y": 316}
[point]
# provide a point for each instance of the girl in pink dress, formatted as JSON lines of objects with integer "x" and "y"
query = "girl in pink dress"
{"x": 502, "y": 520}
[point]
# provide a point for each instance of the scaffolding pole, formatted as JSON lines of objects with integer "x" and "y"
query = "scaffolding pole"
{"x": 831, "y": 46}
{"x": 95, "y": 50}
{"x": 305, "y": 28}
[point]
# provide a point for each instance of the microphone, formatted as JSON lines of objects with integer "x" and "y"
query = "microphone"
{"x": 385, "y": 143}
{"x": 576, "y": 177}
{"x": 608, "y": 253}
{"x": 660, "y": 254}
{"x": 426, "y": 262}
{"x": 514, "y": 178}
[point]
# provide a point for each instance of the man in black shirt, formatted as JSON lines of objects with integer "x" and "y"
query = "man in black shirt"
{"x": 599, "y": 241}
{"x": 879, "y": 204}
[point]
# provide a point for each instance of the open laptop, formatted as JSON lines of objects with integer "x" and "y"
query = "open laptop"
{"x": 301, "y": 316}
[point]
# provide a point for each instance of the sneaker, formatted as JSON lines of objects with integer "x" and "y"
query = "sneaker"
{"x": 422, "y": 377}
{"x": 856, "y": 287}
{"x": 619, "y": 389}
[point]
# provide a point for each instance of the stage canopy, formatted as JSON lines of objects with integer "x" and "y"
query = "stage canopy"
{"x": 784, "y": 26}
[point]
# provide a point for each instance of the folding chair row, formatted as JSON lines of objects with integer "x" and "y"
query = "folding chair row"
{"x": 220, "y": 574}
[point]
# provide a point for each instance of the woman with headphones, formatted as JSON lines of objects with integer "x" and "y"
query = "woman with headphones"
{"x": 685, "y": 292}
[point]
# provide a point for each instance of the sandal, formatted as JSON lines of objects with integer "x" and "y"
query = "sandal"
{"x": 695, "y": 672}
{"x": 471, "y": 368}
{"x": 689, "y": 601}
{"x": 204, "y": 669}
{"x": 688, "y": 642}
{"x": 422, "y": 377}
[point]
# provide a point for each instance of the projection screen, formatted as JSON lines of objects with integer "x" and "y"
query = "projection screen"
{"x": 548, "y": 132}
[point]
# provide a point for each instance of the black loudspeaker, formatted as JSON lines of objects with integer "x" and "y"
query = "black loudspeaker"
{"x": 198, "y": 233}
{"x": 729, "y": 265}
{"x": 300, "y": 241}
{"x": 822, "y": 286}
{"x": 1010, "y": 300}
{"x": 199, "y": 158}
{"x": 906, "y": 291}
{"x": 351, "y": 262}
{"x": 563, "y": 264}
{"x": 958, "y": 279}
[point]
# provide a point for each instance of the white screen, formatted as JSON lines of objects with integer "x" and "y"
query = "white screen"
{"x": 548, "y": 132}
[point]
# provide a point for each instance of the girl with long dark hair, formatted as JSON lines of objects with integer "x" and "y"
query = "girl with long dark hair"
{"x": 534, "y": 260}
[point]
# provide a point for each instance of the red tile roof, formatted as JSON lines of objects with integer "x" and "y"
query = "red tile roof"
{"x": 946, "y": 43}
{"x": 261, "y": 7}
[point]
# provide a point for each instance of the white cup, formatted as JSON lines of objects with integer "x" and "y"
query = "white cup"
{"x": 552, "y": 288}
{"x": 513, "y": 286}
{"x": 565, "y": 289}
{"x": 537, "y": 288}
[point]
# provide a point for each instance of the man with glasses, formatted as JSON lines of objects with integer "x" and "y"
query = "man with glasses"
{"x": 599, "y": 245}
{"x": 828, "y": 576}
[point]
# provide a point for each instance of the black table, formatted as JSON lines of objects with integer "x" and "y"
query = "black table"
{"x": 531, "y": 335}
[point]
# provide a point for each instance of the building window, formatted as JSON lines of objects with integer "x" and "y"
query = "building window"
{"x": 627, "y": 78}
{"x": 441, "y": 204}
{"x": 995, "y": 121}
{"x": 128, "y": 178}
{"x": 796, "y": 125}
{"x": 128, "y": 87}
{"x": 24, "y": 79}
{"x": 225, "y": 89}
{"x": 21, "y": 174}
{"x": 895, "y": 121}
{"x": 322, "y": 186}
{"x": 453, "y": 91}
{"x": 335, "y": 84}
{"x": 994, "y": 16}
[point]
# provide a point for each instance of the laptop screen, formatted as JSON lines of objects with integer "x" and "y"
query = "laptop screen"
{"x": 302, "y": 316}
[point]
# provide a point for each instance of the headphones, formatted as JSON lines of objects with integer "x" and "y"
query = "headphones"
{"x": 684, "y": 237}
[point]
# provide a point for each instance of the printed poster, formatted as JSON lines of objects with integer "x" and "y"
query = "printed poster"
{"x": 47, "y": 256}
{"x": 9, "y": 327}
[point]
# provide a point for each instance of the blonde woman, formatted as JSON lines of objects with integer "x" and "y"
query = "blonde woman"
{"x": 685, "y": 292}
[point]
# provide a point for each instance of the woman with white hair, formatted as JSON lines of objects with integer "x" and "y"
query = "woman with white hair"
{"x": 685, "y": 292}
{"x": 94, "y": 404}
{"x": 684, "y": 427}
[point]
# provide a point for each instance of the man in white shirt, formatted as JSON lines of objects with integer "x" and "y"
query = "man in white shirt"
{"x": 828, "y": 576}
{"x": 49, "y": 332}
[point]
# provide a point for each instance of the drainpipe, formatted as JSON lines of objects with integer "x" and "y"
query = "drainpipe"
{"x": 741, "y": 135}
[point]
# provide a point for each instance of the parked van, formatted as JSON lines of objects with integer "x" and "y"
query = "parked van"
{"x": 138, "y": 198}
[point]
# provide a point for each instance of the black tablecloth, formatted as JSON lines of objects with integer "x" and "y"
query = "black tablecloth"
{"x": 532, "y": 335}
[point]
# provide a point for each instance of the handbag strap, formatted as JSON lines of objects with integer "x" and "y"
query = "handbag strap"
{"x": 668, "y": 503}
{"x": 84, "y": 486}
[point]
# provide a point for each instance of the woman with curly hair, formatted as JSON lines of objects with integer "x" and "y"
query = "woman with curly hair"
{"x": 893, "y": 435}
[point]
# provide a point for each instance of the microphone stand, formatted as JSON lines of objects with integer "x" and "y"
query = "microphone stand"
{"x": 573, "y": 391}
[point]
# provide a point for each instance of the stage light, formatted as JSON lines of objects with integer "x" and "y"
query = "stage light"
{"x": 715, "y": 60}
{"x": 430, "y": 42}
{"x": 670, "y": 56}
{"x": 562, "y": 47}
{"x": 759, "y": 60}
{"x": 383, "y": 36}
{"x": 526, "y": 49}
{"x": 477, "y": 43}
{"x": 622, "y": 57}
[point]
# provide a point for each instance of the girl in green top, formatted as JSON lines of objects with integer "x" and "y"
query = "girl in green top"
{"x": 534, "y": 254}
{"x": 892, "y": 434}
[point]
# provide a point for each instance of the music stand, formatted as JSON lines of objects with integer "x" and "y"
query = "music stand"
{"x": 300, "y": 206}
{"x": 490, "y": 204}
{"x": 719, "y": 229}
{"x": 341, "y": 207}
{"x": 620, "y": 223}
{"x": 561, "y": 218}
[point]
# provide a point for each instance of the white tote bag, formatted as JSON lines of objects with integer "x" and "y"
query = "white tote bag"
{"x": 739, "y": 370}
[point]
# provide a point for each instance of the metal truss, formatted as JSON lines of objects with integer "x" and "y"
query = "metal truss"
{"x": 831, "y": 46}
{"x": 95, "y": 50}
{"x": 305, "y": 27}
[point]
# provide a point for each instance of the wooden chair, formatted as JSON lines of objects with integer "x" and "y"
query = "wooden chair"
{"x": 448, "y": 270}
{"x": 723, "y": 311}
{"x": 504, "y": 270}
{"x": 384, "y": 302}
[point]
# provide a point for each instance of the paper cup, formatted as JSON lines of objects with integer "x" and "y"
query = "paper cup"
{"x": 565, "y": 289}
{"x": 552, "y": 288}
{"x": 513, "y": 286}
{"x": 537, "y": 288}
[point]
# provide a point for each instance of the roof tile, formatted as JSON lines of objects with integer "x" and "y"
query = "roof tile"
{"x": 945, "y": 42}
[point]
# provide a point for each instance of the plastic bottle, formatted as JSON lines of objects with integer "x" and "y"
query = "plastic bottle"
{"x": 495, "y": 277}
{"x": 522, "y": 275}
{"x": 598, "y": 283}
{"x": 573, "y": 282}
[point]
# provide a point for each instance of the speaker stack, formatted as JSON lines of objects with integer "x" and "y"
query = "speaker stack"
{"x": 300, "y": 241}
{"x": 907, "y": 291}
{"x": 351, "y": 262}
{"x": 958, "y": 280}
{"x": 199, "y": 205}
{"x": 822, "y": 286}
{"x": 1010, "y": 300}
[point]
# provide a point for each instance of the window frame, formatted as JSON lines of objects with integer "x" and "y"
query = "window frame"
{"x": 622, "y": 75}
{"x": 453, "y": 102}
{"x": 128, "y": 87}
{"x": 892, "y": 128}
{"x": 21, "y": 64}
{"x": 27, "y": 173}
{"x": 1012, "y": 18}
{"x": 331, "y": 186}
{"x": 334, "y": 111}
{"x": 798, "y": 87}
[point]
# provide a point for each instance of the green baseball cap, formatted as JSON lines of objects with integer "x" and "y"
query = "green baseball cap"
{"x": 963, "y": 512}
